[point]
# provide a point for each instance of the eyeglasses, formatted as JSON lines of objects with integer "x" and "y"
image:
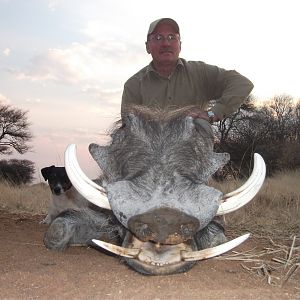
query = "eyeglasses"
{"x": 159, "y": 38}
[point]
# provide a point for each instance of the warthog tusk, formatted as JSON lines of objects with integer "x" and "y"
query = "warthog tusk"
{"x": 185, "y": 255}
{"x": 86, "y": 187}
{"x": 240, "y": 197}
{"x": 126, "y": 252}
{"x": 215, "y": 251}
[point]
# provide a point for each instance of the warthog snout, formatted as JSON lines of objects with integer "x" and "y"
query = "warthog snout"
{"x": 164, "y": 225}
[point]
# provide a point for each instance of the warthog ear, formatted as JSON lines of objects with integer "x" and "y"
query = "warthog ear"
{"x": 219, "y": 160}
{"x": 101, "y": 156}
{"x": 214, "y": 162}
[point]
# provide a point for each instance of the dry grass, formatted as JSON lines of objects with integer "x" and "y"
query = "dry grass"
{"x": 274, "y": 211}
{"x": 273, "y": 217}
{"x": 24, "y": 199}
{"x": 275, "y": 263}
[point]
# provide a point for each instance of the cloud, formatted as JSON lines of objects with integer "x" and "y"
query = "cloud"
{"x": 34, "y": 101}
{"x": 97, "y": 69}
{"x": 110, "y": 96}
{"x": 6, "y": 51}
{"x": 4, "y": 100}
{"x": 99, "y": 62}
{"x": 62, "y": 121}
{"x": 52, "y": 4}
{"x": 82, "y": 135}
{"x": 55, "y": 65}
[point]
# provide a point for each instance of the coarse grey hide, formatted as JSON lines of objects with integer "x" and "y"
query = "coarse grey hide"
{"x": 155, "y": 172}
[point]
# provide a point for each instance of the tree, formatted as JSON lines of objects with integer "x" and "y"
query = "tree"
{"x": 236, "y": 135}
{"x": 281, "y": 112}
{"x": 296, "y": 125}
{"x": 14, "y": 135}
{"x": 226, "y": 127}
{"x": 17, "y": 171}
{"x": 14, "y": 130}
{"x": 271, "y": 130}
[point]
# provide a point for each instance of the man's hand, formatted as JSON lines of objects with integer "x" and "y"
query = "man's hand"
{"x": 202, "y": 114}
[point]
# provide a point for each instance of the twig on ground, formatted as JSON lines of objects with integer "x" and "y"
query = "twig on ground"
{"x": 277, "y": 270}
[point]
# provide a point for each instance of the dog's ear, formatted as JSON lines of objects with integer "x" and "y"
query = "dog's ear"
{"x": 47, "y": 171}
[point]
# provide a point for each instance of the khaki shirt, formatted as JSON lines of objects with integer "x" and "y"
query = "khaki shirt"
{"x": 191, "y": 83}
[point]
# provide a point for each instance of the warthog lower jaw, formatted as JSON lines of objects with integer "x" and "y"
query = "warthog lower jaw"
{"x": 148, "y": 252}
{"x": 162, "y": 255}
{"x": 151, "y": 258}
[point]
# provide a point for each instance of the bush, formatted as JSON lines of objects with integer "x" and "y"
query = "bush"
{"x": 17, "y": 171}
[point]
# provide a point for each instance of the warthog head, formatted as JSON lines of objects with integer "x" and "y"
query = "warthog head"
{"x": 155, "y": 174}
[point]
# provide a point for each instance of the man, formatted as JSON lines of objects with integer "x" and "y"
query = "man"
{"x": 170, "y": 81}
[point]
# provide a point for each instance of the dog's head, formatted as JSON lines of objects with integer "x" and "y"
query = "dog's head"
{"x": 57, "y": 178}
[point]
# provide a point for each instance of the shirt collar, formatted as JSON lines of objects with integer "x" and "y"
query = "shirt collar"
{"x": 150, "y": 68}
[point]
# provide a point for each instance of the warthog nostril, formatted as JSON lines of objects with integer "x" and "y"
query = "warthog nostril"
{"x": 143, "y": 231}
{"x": 187, "y": 230}
{"x": 164, "y": 225}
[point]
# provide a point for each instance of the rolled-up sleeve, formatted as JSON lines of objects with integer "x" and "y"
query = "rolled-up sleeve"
{"x": 230, "y": 90}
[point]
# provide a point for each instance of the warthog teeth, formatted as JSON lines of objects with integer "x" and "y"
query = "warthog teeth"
{"x": 159, "y": 264}
{"x": 126, "y": 252}
{"x": 86, "y": 187}
{"x": 215, "y": 251}
{"x": 240, "y": 197}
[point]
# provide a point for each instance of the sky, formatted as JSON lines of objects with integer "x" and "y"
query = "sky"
{"x": 66, "y": 61}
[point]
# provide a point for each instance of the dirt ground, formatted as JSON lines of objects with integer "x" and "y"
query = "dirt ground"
{"x": 29, "y": 271}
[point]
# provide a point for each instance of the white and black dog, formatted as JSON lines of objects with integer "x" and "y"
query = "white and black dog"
{"x": 73, "y": 219}
{"x": 63, "y": 195}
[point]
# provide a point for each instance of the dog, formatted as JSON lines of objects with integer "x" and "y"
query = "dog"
{"x": 70, "y": 212}
{"x": 63, "y": 195}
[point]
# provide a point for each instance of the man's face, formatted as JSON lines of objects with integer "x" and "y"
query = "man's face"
{"x": 164, "y": 51}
